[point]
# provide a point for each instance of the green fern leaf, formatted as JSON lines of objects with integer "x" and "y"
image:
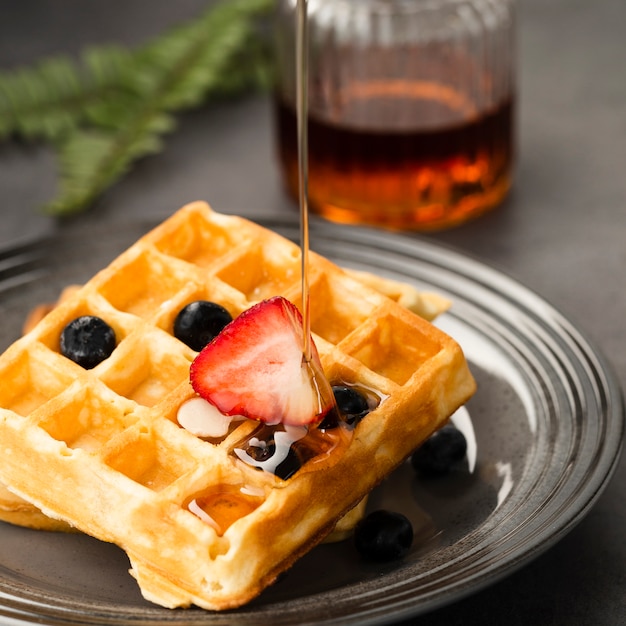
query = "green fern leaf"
{"x": 196, "y": 60}
{"x": 92, "y": 160}
{"x": 52, "y": 98}
{"x": 25, "y": 93}
{"x": 180, "y": 70}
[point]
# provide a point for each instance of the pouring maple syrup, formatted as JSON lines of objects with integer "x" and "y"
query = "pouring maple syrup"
{"x": 322, "y": 386}
{"x": 303, "y": 183}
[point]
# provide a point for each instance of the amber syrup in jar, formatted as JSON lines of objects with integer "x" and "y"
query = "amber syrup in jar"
{"x": 420, "y": 178}
{"x": 410, "y": 113}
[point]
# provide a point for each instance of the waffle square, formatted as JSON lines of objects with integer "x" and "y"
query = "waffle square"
{"x": 102, "y": 449}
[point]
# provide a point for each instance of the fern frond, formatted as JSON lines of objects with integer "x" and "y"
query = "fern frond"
{"x": 196, "y": 60}
{"x": 179, "y": 71}
{"x": 51, "y": 98}
{"x": 92, "y": 160}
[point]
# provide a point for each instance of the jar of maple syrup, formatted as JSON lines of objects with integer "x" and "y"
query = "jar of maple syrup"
{"x": 410, "y": 109}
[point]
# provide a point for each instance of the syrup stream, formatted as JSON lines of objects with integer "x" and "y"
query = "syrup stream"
{"x": 302, "y": 74}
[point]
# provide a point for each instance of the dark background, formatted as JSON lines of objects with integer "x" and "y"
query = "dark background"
{"x": 562, "y": 232}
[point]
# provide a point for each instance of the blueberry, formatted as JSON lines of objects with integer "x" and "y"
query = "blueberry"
{"x": 87, "y": 340}
{"x": 200, "y": 322}
{"x": 383, "y": 536}
{"x": 289, "y": 466}
{"x": 264, "y": 450}
{"x": 439, "y": 453}
{"x": 352, "y": 404}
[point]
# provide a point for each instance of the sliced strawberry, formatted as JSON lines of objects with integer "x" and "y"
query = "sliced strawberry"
{"x": 255, "y": 367}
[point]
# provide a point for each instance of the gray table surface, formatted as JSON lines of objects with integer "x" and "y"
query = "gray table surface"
{"x": 562, "y": 232}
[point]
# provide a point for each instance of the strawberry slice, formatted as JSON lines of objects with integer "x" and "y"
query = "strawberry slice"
{"x": 255, "y": 367}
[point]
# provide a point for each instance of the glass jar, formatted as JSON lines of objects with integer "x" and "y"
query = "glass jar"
{"x": 410, "y": 109}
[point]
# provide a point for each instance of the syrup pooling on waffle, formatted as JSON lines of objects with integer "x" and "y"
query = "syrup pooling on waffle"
{"x": 199, "y": 523}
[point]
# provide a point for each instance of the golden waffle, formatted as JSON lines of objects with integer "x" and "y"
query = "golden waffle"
{"x": 102, "y": 450}
{"x": 18, "y": 511}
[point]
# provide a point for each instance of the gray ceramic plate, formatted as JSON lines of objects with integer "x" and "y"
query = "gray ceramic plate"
{"x": 544, "y": 431}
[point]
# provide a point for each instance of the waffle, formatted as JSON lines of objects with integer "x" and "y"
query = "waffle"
{"x": 429, "y": 305}
{"x": 102, "y": 449}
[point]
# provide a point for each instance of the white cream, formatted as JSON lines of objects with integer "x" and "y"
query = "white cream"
{"x": 197, "y": 510}
{"x": 282, "y": 442}
{"x": 202, "y": 419}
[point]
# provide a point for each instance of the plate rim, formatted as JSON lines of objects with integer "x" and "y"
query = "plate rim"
{"x": 462, "y": 265}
